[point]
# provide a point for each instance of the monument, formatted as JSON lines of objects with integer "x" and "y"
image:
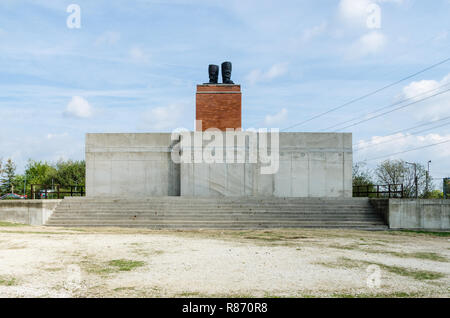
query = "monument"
{"x": 241, "y": 164}
{"x": 218, "y": 105}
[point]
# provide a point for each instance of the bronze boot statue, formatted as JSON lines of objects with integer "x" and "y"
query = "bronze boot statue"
{"x": 226, "y": 73}
{"x": 213, "y": 71}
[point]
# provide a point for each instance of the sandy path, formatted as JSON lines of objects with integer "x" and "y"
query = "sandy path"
{"x": 49, "y": 262}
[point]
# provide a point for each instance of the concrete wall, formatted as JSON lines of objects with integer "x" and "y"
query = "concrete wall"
{"x": 32, "y": 212}
{"x": 131, "y": 165}
{"x": 381, "y": 206}
{"x": 311, "y": 165}
{"x": 419, "y": 214}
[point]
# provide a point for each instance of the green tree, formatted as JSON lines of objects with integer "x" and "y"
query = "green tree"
{"x": 399, "y": 172}
{"x": 8, "y": 177}
{"x": 38, "y": 172}
{"x": 435, "y": 194}
{"x": 361, "y": 178}
{"x": 70, "y": 172}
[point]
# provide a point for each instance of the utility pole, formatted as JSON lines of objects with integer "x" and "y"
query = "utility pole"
{"x": 415, "y": 177}
{"x": 428, "y": 178}
{"x": 25, "y": 185}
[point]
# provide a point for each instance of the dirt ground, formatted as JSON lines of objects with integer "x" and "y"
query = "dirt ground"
{"x": 54, "y": 262}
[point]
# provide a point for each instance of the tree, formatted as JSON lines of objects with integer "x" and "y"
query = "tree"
{"x": 70, "y": 172}
{"x": 435, "y": 194}
{"x": 38, "y": 172}
{"x": 399, "y": 172}
{"x": 362, "y": 178}
{"x": 8, "y": 177}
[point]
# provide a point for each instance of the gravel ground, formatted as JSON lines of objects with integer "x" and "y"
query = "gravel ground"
{"x": 54, "y": 262}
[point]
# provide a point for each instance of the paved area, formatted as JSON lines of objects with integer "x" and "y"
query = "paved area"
{"x": 55, "y": 262}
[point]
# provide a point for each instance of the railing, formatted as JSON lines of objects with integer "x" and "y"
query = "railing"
{"x": 383, "y": 191}
{"x": 42, "y": 191}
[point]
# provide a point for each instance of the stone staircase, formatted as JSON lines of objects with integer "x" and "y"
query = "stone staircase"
{"x": 217, "y": 213}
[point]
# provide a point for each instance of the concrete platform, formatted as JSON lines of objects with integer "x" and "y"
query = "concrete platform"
{"x": 217, "y": 213}
{"x": 141, "y": 165}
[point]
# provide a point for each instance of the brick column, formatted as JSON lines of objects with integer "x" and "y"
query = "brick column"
{"x": 219, "y": 106}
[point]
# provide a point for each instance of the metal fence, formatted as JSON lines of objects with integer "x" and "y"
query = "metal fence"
{"x": 379, "y": 191}
{"x": 43, "y": 191}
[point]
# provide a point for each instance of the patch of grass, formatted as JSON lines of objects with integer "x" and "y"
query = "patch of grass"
{"x": 430, "y": 233}
{"x": 345, "y": 247}
{"x": 146, "y": 252}
{"x": 402, "y": 271}
{"x": 119, "y": 289}
{"x": 380, "y": 295}
{"x": 53, "y": 269}
{"x": 189, "y": 294}
{"x": 9, "y": 224}
{"x": 344, "y": 262}
{"x": 420, "y": 255}
{"x": 237, "y": 295}
{"x": 35, "y": 232}
{"x": 125, "y": 265}
{"x": 98, "y": 269}
{"x": 7, "y": 281}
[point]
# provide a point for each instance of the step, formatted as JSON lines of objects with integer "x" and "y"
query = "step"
{"x": 231, "y": 227}
{"x": 220, "y": 213}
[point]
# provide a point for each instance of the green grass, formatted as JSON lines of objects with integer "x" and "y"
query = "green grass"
{"x": 380, "y": 295}
{"x": 420, "y": 255}
{"x": 9, "y": 224}
{"x": 7, "y": 281}
{"x": 125, "y": 265}
{"x": 430, "y": 233}
{"x": 119, "y": 289}
{"x": 425, "y": 255}
{"x": 36, "y": 232}
{"x": 402, "y": 271}
{"x": 189, "y": 294}
{"x": 92, "y": 266}
{"x": 348, "y": 263}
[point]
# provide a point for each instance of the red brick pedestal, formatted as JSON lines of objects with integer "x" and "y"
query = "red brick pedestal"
{"x": 218, "y": 106}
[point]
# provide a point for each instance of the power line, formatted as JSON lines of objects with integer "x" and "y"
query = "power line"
{"x": 413, "y": 127}
{"x": 409, "y": 150}
{"x": 388, "y": 106}
{"x": 388, "y": 141}
{"x": 393, "y": 110}
{"x": 368, "y": 95}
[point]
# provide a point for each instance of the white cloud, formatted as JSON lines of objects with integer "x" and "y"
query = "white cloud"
{"x": 379, "y": 146}
{"x": 368, "y": 44}
{"x": 278, "y": 118}
{"x": 356, "y": 12}
{"x": 163, "y": 118}
{"x": 420, "y": 87}
{"x": 78, "y": 107}
{"x": 435, "y": 108}
{"x": 138, "y": 55}
{"x": 108, "y": 38}
{"x": 275, "y": 71}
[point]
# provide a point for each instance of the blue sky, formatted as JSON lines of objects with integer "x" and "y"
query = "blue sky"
{"x": 133, "y": 66}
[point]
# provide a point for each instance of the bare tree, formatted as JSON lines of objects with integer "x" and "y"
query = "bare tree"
{"x": 399, "y": 172}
